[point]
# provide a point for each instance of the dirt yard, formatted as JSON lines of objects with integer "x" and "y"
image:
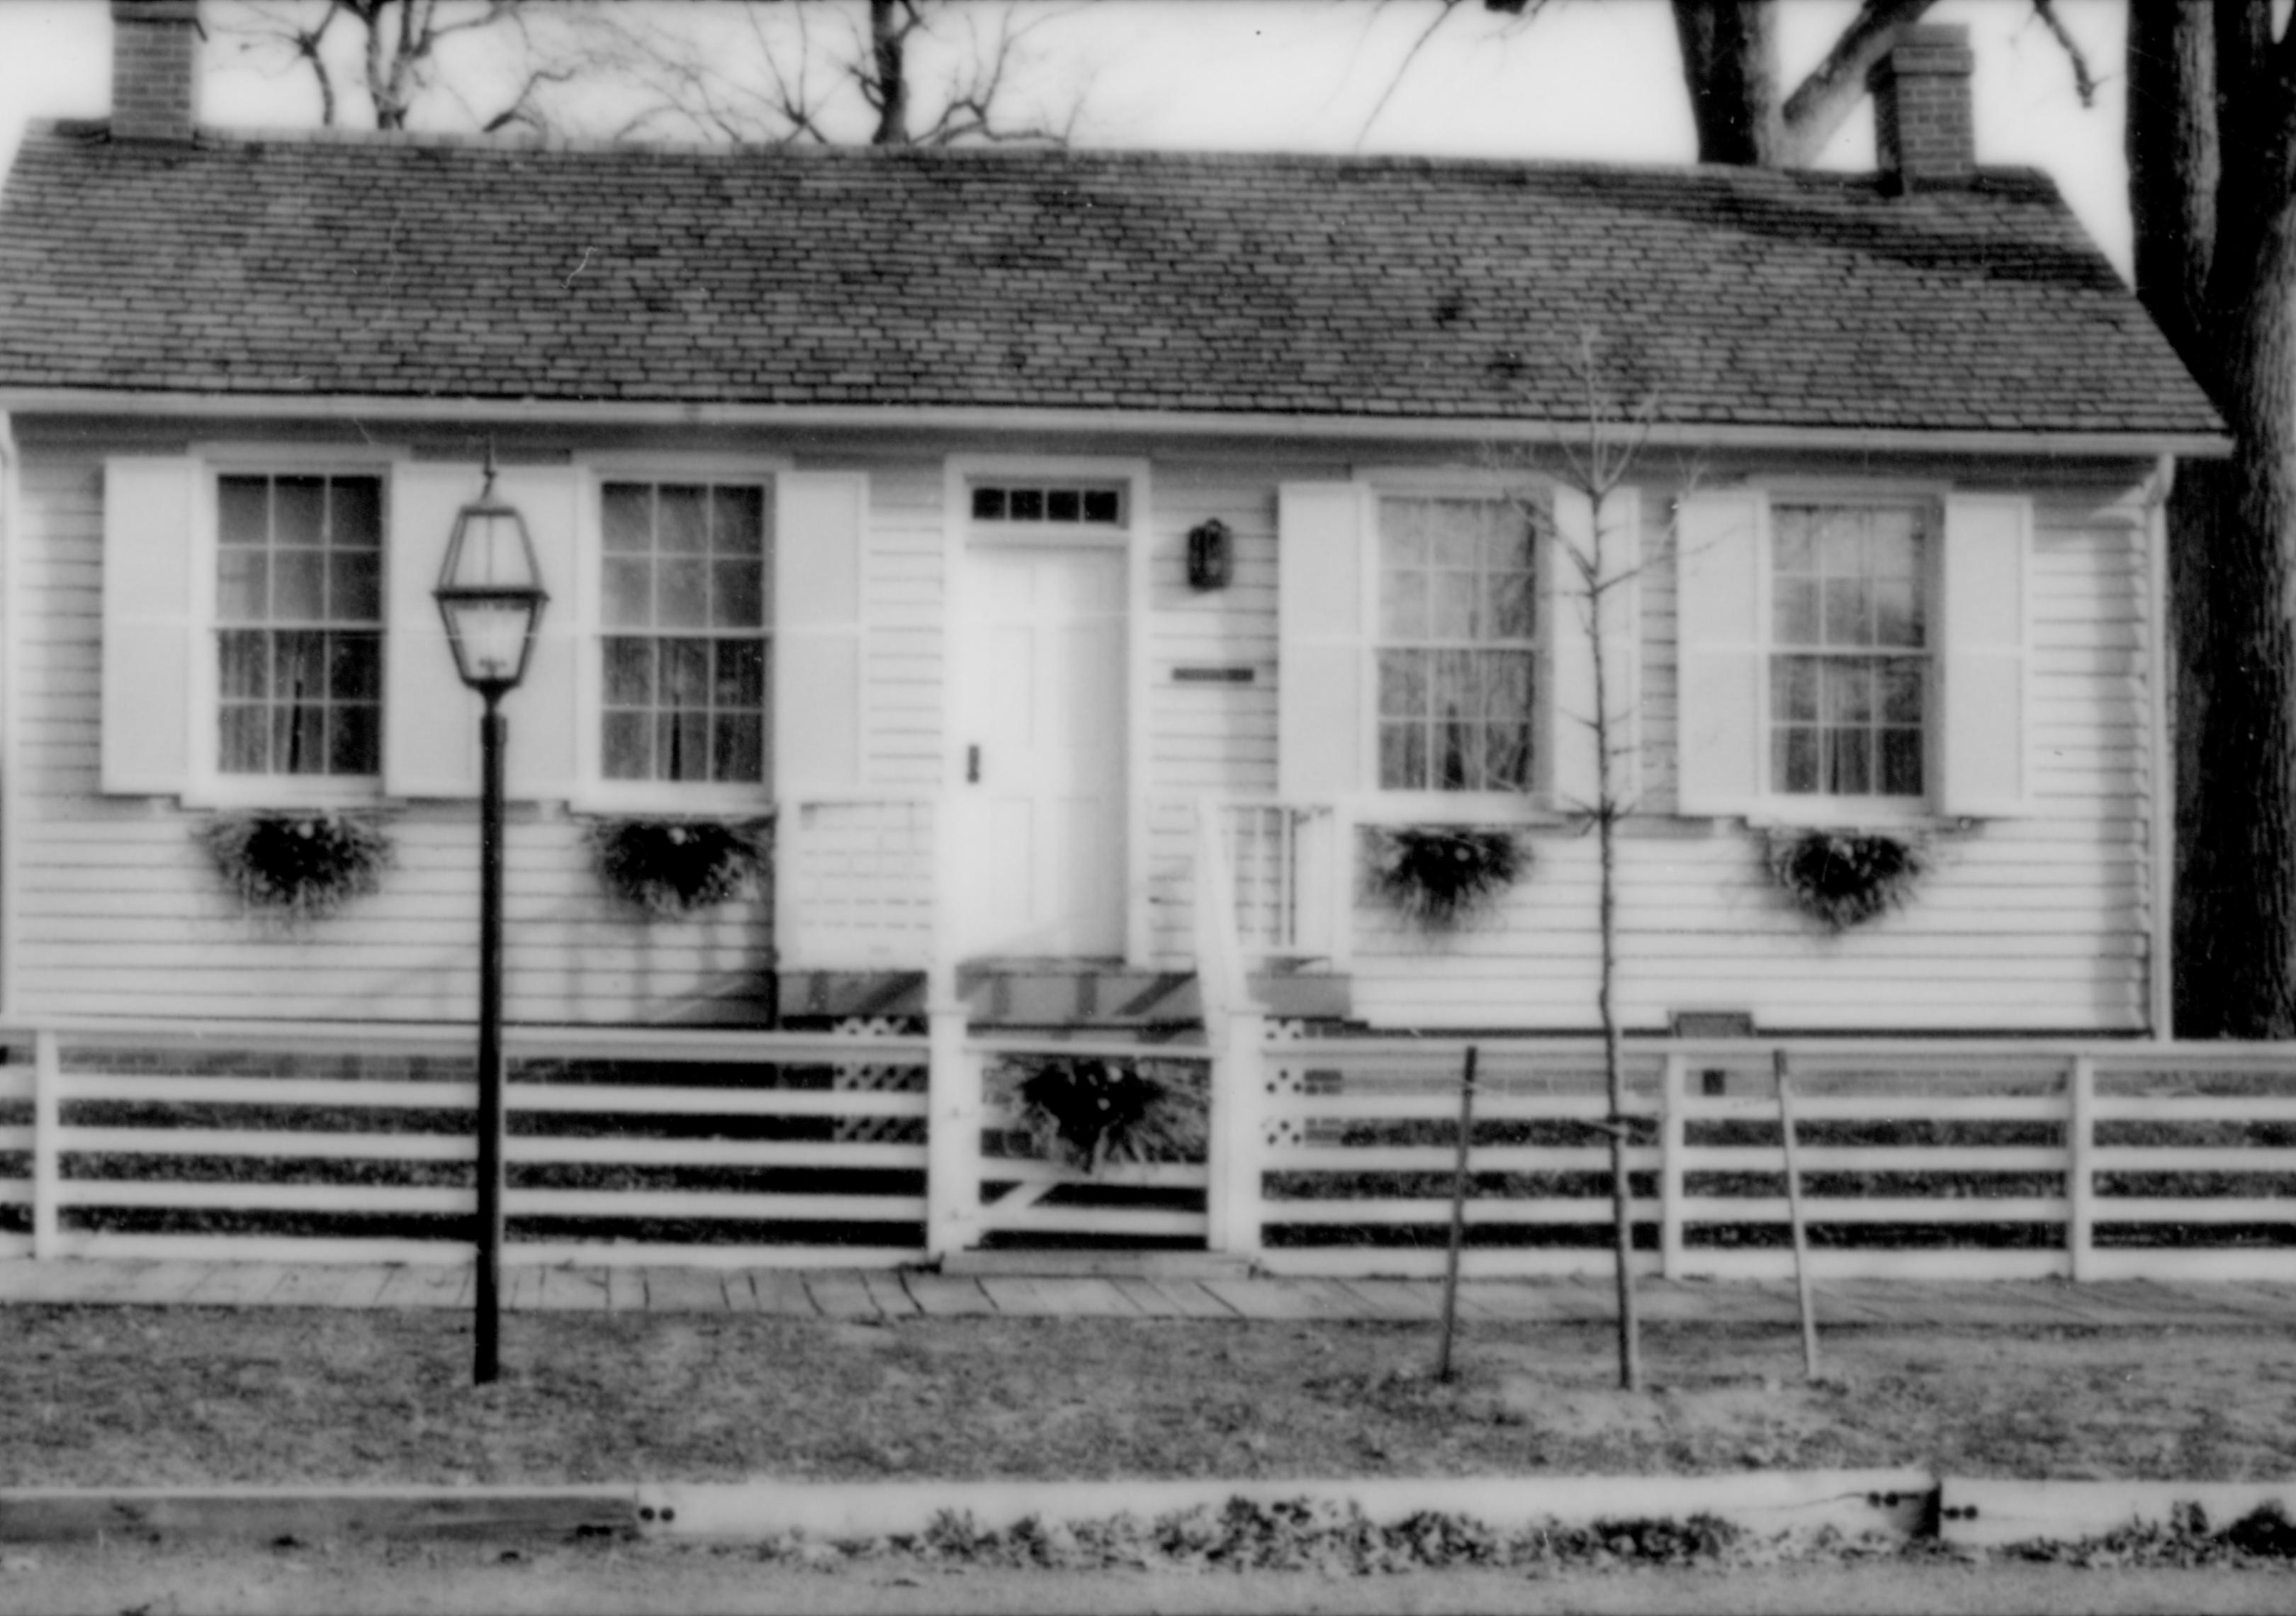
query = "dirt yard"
{"x": 184, "y": 1396}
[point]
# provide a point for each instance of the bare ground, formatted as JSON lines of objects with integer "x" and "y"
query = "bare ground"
{"x": 112, "y": 1396}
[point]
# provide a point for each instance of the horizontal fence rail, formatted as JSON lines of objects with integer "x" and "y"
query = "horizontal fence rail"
{"x": 1928, "y": 1160}
{"x": 357, "y": 1144}
{"x": 1314, "y": 1154}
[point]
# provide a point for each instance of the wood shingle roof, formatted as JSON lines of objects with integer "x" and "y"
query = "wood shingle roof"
{"x": 305, "y": 264}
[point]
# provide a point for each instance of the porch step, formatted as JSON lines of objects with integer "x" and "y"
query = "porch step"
{"x": 1097, "y": 1265}
{"x": 1060, "y": 994}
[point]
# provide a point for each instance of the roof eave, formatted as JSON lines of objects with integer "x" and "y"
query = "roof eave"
{"x": 2053, "y": 443}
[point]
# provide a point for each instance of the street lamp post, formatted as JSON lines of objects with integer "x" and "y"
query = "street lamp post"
{"x": 491, "y": 596}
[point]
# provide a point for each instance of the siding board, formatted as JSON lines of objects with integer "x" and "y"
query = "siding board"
{"x": 2034, "y": 923}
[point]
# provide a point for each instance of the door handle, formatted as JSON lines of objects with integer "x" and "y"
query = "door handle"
{"x": 972, "y": 766}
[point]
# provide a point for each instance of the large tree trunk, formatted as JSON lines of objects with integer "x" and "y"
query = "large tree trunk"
{"x": 1730, "y": 65}
{"x": 2229, "y": 531}
{"x": 2210, "y": 192}
{"x": 2173, "y": 171}
{"x": 889, "y": 69}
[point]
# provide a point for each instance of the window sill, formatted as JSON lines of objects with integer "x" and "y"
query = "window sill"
{"x": 647, "y": 799}
{"x": 287, "y": 793}
{"x": 1456, "y": 807}
{"x": 1840, "y": 813}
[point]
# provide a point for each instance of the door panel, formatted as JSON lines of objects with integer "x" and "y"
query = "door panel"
{"x": 1043, "y": 700}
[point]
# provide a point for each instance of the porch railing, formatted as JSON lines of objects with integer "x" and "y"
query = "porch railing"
{"x": 858, "y": 880}
{"x": 1284, "y": 879}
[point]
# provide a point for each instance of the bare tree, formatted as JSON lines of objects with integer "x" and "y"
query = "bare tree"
{"x": 1611, "y": 436}
{"x": 1599, "y": 564}
{"x": 396, "y": 57}
{"x": 885, "y": 73}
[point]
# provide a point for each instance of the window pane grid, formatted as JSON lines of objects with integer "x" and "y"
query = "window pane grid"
{"x": 1848, "y": 704}
{"x": 685, "y": 698}
{"x": 298, "y": 609}
{"x": 1100, "y": 505}
{"x": 1458, "y": 648}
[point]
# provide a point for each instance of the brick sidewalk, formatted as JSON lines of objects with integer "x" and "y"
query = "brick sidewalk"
{"x": 898, "y": 1293}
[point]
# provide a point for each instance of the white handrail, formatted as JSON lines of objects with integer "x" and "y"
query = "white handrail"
{"x": 1221, "y": 982}
{"x": 1284, "y": 889}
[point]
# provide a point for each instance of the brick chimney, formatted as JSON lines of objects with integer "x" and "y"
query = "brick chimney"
{"x": 1923, "y": 134}
{"x": 155, "y": 69}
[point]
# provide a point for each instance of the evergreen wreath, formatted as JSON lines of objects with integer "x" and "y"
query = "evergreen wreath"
{"x": 1088, "y": 1112}
{"x": 1438, "y": 875}
{"x": 672, "y": 868}
{"x": 299, "y": 866}
{"x": 1845, "y": 878}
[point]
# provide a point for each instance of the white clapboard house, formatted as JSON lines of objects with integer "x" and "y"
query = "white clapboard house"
{"x": 1083, "y": 564}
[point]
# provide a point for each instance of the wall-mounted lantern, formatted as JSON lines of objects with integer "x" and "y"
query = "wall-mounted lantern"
{"x": 1211, "y": 555}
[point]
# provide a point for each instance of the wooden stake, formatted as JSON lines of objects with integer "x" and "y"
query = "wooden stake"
{"x": 1793, "y": 1214}
{"x": 1458, "y": 1215}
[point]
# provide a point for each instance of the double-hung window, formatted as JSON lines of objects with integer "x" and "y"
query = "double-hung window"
{"x": 1849, "y": 663}
{"x": 1457, "y": 650}
{"x": 1852, "y": 656}
{"x": 298, "y": 624}
{"x": 686, "y": 647}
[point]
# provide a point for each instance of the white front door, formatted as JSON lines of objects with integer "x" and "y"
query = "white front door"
{"x": 1041, "y": 750}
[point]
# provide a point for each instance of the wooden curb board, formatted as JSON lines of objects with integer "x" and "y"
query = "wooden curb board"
{"x": 1983, "y": 1512}
{"x": 1893, "y": 1503}
{"x": 52, "y": 1516}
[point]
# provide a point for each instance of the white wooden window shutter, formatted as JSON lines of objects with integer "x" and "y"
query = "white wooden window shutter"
{"x": 1985, "y": 673}
{"x": 151, "y": 516}
{"x": 819, "y": 528}
{"x": 1323, "y": 614}
{"x": 1572, "y": 778}
{"x": 1721, "y": 668}
{"x": 544, "y": 711}
{"x": 429, "y": 717}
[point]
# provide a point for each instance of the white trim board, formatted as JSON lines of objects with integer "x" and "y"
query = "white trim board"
{"x": 1186, "y": 423}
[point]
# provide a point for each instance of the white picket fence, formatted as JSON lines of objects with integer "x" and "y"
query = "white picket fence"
{"x": 624, "y": 1145}
{"x": 1918, "y": 1160}
{"x": 1327, "y": 1155}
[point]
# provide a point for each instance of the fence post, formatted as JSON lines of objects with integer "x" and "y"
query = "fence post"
{"x": 47, "y": 1158}
{"x": 953, "y": 1075}
{"x": 1671, "y": 1135}
{"x": 1339, "y": 879}
{"x": 1238, "y": 1149}
{"x": 952, "y": 1132}
{"x": 2080, "y": 1170}
{"x": 791, "y": 944}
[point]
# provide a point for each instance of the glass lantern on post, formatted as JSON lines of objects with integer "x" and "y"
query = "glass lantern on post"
{"x": 490, "y": 595}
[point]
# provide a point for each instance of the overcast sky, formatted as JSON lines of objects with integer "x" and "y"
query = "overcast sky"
{"x": 1588, "y": 79}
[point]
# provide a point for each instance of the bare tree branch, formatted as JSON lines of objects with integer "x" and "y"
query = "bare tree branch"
{"x": 272, "y": 26}
{"x": 1823, "y": 100}
{"x": 1519, "y": 12}
{"x": 2083, "y": 80}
